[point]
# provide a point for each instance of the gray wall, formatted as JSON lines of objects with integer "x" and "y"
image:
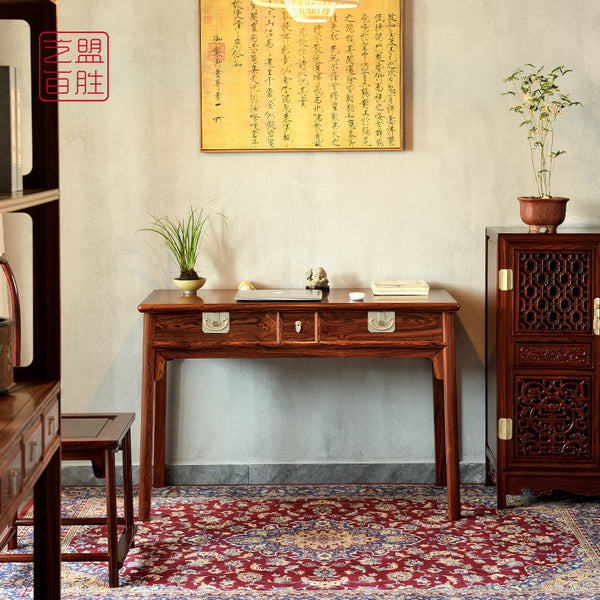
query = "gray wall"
{"x": 420, "y": 213}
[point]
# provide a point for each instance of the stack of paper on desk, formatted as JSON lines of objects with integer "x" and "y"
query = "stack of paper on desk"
{"x": 415, "y": 287}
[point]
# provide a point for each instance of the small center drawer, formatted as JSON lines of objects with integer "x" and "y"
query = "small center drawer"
{"x": 298, "y": 327}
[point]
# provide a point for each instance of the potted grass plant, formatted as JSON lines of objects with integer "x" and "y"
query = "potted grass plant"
{"x": 183, "y": 238}
{"x": 539, "y": 100}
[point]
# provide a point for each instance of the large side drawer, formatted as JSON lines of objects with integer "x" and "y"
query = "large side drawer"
{"x": 216, "y": 328}
{"x": 346, "y": 326}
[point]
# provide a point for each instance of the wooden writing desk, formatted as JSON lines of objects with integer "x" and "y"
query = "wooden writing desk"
{"x": 214, "y": 325}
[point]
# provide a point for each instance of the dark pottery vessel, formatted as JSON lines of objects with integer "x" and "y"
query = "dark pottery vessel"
{"x": 543, "y": 215}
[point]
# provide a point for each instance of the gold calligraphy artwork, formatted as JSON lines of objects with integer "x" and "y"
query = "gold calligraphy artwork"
{"x": 268, "y": 83}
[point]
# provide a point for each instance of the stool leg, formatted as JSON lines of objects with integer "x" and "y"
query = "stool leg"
{"x": 128, "y": 488}
{"x": 12, "y": 540}
{"x": 111, "y": 518}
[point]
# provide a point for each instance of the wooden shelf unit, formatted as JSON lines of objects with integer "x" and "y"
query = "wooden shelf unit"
{"x": 30, "y": 413}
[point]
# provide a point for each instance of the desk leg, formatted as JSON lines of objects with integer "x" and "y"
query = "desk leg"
{"x": 451, "y": 418}
{"x": 439, "y": 425}
{"x": 147, "y": 420}
{"x": 46, "y": 532}
{"x": 160, "y": 417}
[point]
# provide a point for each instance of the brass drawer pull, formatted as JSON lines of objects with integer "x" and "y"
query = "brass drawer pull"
{"x": 13, "y": 483}
{"x": 215, "y": 322}
{"x": 33, "y": 447}
{"x": 381, "y": 322}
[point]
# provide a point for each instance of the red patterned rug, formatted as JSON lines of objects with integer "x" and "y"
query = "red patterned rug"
{"x": 380, "y": 542}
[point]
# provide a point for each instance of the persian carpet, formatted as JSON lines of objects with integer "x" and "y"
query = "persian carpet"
{"x": 335, "y": 542}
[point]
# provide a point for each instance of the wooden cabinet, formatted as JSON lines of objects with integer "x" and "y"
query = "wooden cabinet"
{"x": 542, "y": 359}
{"x": 30, "y": 413}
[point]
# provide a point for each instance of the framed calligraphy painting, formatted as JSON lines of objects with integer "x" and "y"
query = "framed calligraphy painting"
{"x": 268, "y": 83}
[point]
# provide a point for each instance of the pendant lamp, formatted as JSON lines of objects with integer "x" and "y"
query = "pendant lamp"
{"x": 270, "y": 3}
{"x": 315, "y": 11}
{"x": 308, "y": 11}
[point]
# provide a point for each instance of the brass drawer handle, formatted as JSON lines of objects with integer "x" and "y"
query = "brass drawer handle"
{"x": 382, "y": 322}
{"x": 216, "y": 325}
{"x": 13, "y": 482}
{"x": 33, "y": 447}
{"x": 215, "y": 322}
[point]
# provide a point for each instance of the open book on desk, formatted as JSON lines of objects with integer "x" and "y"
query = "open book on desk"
{"x": 409, "y": 287}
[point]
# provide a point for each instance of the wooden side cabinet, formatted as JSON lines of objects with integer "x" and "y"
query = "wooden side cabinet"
{"x": 542, "y": 360}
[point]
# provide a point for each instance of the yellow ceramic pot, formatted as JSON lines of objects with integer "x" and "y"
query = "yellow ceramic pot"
{"x": 189, "y": 286}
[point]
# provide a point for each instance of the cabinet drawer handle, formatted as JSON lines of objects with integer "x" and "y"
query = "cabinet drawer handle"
{"x": 298, "y": 326}
{"x": 33, "y": 451}
{"x": 13, "y": 483}
{"x": 51, "y": 426}
{"x": 381, "y": 321}
{"x": 381, "y": 325}
{"x": 215, "y": 322}
{"x": 216, "y": 325}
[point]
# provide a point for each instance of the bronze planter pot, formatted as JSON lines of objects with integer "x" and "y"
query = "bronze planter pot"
{"x": 543, "y": 215}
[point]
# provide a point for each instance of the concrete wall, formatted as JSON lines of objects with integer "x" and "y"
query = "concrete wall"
{"x": 419, "y": 213}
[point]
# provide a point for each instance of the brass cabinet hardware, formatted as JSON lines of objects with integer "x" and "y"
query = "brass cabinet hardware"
{"x": 505, "y": 280}
{"x": 217, "y": 322}
{"x": 13, "y": 482}
{"x": 33, "y": 448}
{"x": 505, "y": 429}
{"x": 381, "y": 322}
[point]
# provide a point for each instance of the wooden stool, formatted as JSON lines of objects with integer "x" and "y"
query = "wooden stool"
{"x": 97, "y": 437}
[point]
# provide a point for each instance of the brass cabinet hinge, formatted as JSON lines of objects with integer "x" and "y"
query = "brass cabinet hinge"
{"x": 505, "y": 431}
{"x": 505, "y": 280}
{"x": 596, "y": 325}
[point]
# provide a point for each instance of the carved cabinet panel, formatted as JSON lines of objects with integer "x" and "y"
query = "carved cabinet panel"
{"x": 542, "y": 358}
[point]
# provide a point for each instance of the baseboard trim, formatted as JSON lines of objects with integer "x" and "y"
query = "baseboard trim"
{"x": 287, "y": 473}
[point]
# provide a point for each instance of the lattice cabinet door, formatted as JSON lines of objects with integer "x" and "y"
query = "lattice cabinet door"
{"x": 548, "y": 407}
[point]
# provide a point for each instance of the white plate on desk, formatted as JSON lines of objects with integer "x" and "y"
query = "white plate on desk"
{"x": 279, "y": 295}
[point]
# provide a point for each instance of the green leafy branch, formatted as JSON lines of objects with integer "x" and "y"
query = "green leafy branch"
{"x": 540, "y": 101}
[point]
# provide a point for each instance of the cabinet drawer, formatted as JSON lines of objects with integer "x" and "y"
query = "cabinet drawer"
{"x": 33, "y": 446}
{"x": 298, "y": 327}
{"x": 11, "y": 478}
{"x": 240, "y": 327}
{"x": 51, "y": 423}
{"x": 354, "y": 327}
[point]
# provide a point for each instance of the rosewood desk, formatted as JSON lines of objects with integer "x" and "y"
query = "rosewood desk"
{"x": 214, "y": 325}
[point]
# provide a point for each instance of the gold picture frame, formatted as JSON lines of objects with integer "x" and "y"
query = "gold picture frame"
{"x": 268, "y": 83}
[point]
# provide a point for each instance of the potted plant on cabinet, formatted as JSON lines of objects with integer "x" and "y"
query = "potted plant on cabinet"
{"x": 183, "y": 237}
{"x": 540, "y": 101}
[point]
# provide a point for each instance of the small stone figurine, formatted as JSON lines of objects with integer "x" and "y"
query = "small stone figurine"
{"x": 316, "y": 279}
